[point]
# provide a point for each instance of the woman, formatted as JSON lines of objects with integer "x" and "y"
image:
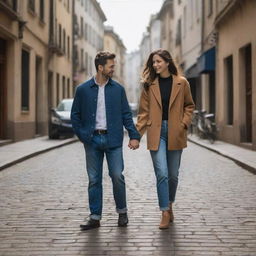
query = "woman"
{"x": 165, "y": 112}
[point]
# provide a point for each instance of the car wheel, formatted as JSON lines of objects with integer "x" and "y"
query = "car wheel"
{"x": 53, "y": 134}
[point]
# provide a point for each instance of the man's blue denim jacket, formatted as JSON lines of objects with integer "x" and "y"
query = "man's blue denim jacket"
{"x": 118, "y": 113}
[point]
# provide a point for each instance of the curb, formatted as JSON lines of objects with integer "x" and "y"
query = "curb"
{"x": 237, "y": 161}
{"x": 25, "y": 157}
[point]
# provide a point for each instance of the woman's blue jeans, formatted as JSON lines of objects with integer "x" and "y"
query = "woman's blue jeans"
{"x": 166, "y": 165}
{"x": 94, "y": 164}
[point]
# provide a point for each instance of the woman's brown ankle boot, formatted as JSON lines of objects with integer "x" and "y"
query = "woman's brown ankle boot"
{"x": 165, "y": 221}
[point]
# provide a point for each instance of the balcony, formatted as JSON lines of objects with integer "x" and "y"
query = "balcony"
{"x": 10, "y": 8}
{"x": 55, "y": 49}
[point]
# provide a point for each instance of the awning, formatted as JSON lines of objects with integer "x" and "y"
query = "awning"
{"x": 206, "y": 62}
{"x": 192, "y": 72}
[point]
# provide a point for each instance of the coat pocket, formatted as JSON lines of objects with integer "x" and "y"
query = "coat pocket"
{"x": 183, "y": 126}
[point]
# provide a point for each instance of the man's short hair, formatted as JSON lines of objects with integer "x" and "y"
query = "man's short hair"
{"x": 102, "y": 57}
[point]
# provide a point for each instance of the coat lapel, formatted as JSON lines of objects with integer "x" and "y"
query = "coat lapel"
{"x": 176, "y": 85}
{"x": 156, "y": 91}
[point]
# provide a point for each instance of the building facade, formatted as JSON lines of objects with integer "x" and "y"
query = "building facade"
{"x": 145, "y": 49}
{"x": 191, "y": 34}
{"x": 236, "y": 72}
{"x": 154, "y": 29}
{"x": 114, "y": 44}
{"x": 133, "y": 76}
{"x": 207, "y": 60}
{"x": 165, "y": 16}
{"x": 213, "y": 42}
{"x": 60, "y": 83}
{"x": 24, "y": 58}
{"x": 88, "y": 38}
{"x": 36, "y": 64}
{"x": 176, "y": 28}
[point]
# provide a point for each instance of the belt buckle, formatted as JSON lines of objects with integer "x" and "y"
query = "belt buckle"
{"x": 101, "y": 132}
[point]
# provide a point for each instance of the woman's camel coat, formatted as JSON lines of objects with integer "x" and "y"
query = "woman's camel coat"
{"x": 181, "y": 108}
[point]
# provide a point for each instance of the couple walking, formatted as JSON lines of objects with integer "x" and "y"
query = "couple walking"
{"x": 99, "y": 112}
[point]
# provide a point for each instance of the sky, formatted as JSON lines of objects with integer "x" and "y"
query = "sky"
{"x": 129, "y": 18}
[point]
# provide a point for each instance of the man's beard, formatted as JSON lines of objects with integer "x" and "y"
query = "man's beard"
{"x": 107, "y": 75}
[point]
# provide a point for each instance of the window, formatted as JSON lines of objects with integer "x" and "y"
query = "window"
{"x": 164, "y": 30}
{"x": 68, "y": 47}
{"x": 90, "y": 65}
{"x": 42, "y": 10}
{"x": 25, "y": 81}
{"x": 68, "y": 5}
{"x": 14, "y": 5}
{"x": 31, "y": 5}
{"x": 97, "y": 42}
{"x": 85, "y": 31}
{"x": 210, "y": 7}
{"x": 75, "y": 55}
{"x": 52, "y": 24}
{"x": 93, "y": 37}
{"x": 192, "y": 13}
{"x": 86, "y": 62}
{"x": 197, "y": 11}
{"x": 57, "y": 89}
{"x": 11, "y": 3}
{"x": 89, "y": 34}
{"x": 82, "y": 58}
{"x": 76, "y": 26}
{"x": 63, "y": 87}
{"x": 229, "y": 89}
{"x": 68, "y": 87}
{"x": 178, "y": 33}
{"x": 81, "y": 26}
{"x": 184, "y": 21}
{"x": 60, "y": 31}
{"x": 89, "y": 7}
{"x": 64, "y": 40}
{"x": 85, "y": 5}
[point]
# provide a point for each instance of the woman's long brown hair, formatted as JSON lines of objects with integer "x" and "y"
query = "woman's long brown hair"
{"x": 149, "y": 74}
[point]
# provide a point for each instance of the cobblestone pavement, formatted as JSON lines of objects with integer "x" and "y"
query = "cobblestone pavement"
{"x": 44, "y": 199}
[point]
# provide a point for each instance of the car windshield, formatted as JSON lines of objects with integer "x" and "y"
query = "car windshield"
{"x": 65, "y": 106}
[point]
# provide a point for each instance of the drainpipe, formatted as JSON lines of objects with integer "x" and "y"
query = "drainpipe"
{"x": 202, "y": 27}
{"x": 202, "y": 49}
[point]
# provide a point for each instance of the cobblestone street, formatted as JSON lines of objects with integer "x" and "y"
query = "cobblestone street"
{"x": 44, "y": 200}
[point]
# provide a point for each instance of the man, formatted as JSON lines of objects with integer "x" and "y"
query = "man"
{"x": 99, "y": 112}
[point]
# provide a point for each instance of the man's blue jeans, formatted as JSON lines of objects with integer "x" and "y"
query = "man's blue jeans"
{"x": 166, "y": 165}
{"x": 94, "y": 163}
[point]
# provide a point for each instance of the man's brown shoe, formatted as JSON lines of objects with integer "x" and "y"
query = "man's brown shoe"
{"x": 165, "y": 221}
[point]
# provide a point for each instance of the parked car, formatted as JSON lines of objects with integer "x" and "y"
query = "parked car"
{"x": 134, "y": 108}
{"x": 60, "y": 122}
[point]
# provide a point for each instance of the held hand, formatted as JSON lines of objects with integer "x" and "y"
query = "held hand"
{"x": 134, "y": 144}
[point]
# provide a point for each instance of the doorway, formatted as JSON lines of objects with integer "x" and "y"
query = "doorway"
{"x": 246, "y": 126}
{"x": 3, "y": 90}
{"x": 38, "y": 105}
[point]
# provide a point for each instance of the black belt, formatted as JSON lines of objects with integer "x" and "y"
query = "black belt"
{"x": 100, "y": 131}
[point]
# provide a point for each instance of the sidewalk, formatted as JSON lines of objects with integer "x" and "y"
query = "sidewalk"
{"x": 243, "y": 157}
{"x": 16, "y": 152}
{"x": 19, "y": 151}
